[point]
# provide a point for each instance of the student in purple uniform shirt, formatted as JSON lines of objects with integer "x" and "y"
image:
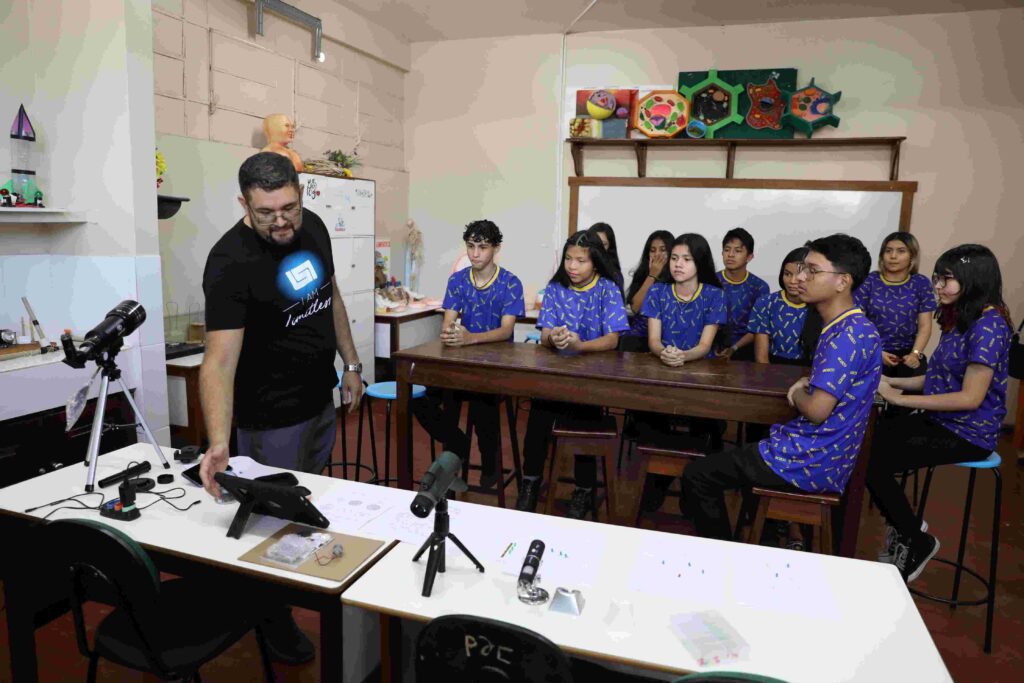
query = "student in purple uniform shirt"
{"x": 685, "y": 312}
{"x": 963, "y": 397}
{"x": 653, "y": 262}
{"x": 815, "y": 451}
{"x": 742, "y": 288}
{"x": 777, "y": 320}
{"x": 582, "y": 313}
{"x": 900, "y": 302}
{"x": 488, "y": 299}
{"x": 604, "y": 232}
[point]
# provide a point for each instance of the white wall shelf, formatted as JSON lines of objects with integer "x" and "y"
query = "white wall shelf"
{"x": 47, "y": 215}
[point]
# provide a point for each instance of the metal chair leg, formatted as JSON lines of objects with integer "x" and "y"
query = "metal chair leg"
{"x": 959, "y": 571}
{"x": 373, "y": 443}
{"x": 387, "y": 443}
{"x": 993, "y": 560}
{"x": 344, "y": 446}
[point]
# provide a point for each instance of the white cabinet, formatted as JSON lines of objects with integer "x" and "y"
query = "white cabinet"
{"x": 347, "y": 209}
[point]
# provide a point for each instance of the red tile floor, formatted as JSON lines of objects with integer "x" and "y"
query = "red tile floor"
{"x": 957, "y": 634}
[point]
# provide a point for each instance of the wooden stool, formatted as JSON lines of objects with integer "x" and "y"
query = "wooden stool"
{"x": 582, "y": 437}
{"x": 507, "y": 475}
{"x": 814, "y": 509}
{"x": 667, "y": 454}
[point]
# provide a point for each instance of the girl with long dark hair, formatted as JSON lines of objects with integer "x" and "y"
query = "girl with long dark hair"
{"x": 962, "y": 400}
{"x": 653, "y": 262}
{"x": 582, "y": 313}
{"x": 606, "y": 237}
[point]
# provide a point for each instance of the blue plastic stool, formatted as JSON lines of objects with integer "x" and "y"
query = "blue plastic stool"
{"x": 990, "y": 463}
{"x": 533, "y": 337}
{"x": 384, "y": 391}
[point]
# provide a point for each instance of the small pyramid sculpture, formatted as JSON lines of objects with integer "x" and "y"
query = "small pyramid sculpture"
{"x": 22, "y": 128}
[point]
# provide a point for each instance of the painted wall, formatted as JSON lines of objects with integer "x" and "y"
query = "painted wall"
{"x": 83, "y": 71}
{"x": 482, "y": 134}
{"x": 215, "y": 80}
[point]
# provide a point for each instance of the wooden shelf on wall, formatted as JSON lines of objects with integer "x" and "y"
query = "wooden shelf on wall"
{"x": 42, "y": 216}
{"x": 640, "y": 147}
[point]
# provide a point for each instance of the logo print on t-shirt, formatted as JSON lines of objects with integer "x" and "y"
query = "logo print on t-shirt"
{"x": 299, "y": 275}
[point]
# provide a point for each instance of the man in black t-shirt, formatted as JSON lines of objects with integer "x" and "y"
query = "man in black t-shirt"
{"x": 274, "y": 321}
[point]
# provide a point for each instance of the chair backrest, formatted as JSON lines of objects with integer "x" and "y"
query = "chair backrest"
{"x": 459, "y": 647}
{"x": 727, "y": 677}
{"x": 104, "y": 564}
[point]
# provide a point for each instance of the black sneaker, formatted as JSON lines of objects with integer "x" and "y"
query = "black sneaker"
{"x": 528, "y": 494}
{"x": 489, "y": 477}
{"x": 286, "y": 642}
{"x": 892, "y": 539}
{"x": 582, "y": 502}
{"x": 654, "y": 494}
{"x": 911, "y": 559}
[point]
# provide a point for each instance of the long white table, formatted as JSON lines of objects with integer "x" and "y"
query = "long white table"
{"x": 806, "y": 617}
{"x": 191, "y": 543}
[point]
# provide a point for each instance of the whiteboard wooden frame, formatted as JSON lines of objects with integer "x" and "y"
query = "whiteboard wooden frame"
{"x": 904, "y": 187}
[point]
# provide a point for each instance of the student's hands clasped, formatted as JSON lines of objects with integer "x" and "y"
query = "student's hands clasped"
{"x": 564, "y": 339}
{"x": 890, "y": 359}
{"x": 455, "y": 335}
{"x": 888, "y": 392}
{"x": 672, "y": 356}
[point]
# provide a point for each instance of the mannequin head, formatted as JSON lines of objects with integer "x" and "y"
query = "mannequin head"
{"x": 279, "y": 129}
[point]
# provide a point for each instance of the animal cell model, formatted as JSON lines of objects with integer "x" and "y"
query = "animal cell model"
{"x": 767, "y": 105}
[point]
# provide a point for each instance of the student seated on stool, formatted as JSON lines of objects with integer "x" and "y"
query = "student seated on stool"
{"x": 582, "y": 313}
{"x": 489, "y": 299}
{"x": 817, "y": 450}
{"x": 964, "y": 397}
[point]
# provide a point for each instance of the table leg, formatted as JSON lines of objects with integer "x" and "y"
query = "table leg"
{"x": 1018, "y": 425}
{"x": 404, "y": 426}
{"x": 331, "y": 642}
{"x": 390, "y": 649}
{"x": 21, "y": 633}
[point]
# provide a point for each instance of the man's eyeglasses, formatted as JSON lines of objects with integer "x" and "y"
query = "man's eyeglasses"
{"x": 940, "y": 281}
{"x": 813, "y": 271}
{"x": 266, "y": 217}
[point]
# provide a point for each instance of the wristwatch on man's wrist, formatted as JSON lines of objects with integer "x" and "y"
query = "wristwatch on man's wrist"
{"x": 353, "y": 367}
{"x": 919, "y": 354}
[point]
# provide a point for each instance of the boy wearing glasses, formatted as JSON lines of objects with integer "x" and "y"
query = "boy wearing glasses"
{"x": 274, "y": 322}
{"x": 815, "y": 451}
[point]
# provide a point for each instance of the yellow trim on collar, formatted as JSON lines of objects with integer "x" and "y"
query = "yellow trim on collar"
{"x": 840, "y": 317}
{"x": 497, "y": 269}
{"x": 700, "y": 286}
{"x": 790, "y": 303}
{"x": 895, "y": 284}
{"x": 726, "y": 278}
{"x": 587, "y": 287}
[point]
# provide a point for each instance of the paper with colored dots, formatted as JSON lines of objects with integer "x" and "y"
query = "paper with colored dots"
{"x": 571, "y": 560}
{"x": 681, "y": 571}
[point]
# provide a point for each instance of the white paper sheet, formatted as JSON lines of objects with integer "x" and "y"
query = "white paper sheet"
{"x": 244, "y": 466}
{"x": 784, "y": 581}
{"x": 571, "y": 558}
{"x": 349, "y": 511}
{"x": 681, "y": 569}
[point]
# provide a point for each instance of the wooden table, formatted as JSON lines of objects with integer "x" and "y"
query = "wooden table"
{"x": 418, "y": 325}
{"x": 725, "y": 390}
{"x": 187, "y": 367}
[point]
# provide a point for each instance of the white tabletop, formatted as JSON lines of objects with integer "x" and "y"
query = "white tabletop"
{"x": 200, "y": 532}
{"x": 189, "y": 361}
{"x": 806, "y": 617}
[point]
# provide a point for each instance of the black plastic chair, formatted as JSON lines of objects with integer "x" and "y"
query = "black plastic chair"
{"x": 165, "y": 628}
{"x": 460, "y": 648}
{"x": 726, "y": 677}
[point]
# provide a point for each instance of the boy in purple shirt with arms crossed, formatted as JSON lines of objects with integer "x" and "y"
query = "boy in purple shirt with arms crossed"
{"x": 816, "y": 451}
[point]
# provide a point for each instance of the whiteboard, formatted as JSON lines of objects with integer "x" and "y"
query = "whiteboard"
{"x": 780, "y": 215}
{"x": 346, "y": 206}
